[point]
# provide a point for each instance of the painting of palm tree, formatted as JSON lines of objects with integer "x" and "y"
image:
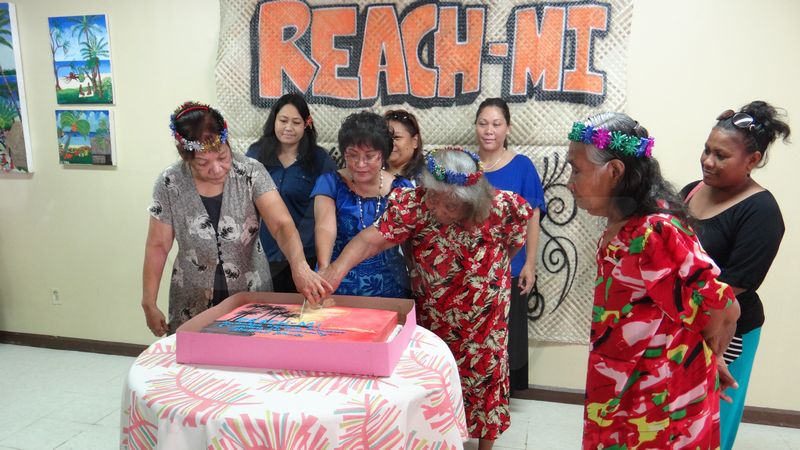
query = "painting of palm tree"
{"x": 81, "y": 59}
{"x": 15, "y": 152}
{"x": 84, "y": 137}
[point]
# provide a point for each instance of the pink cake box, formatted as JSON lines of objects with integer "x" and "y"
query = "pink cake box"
{"x": 358, "y": 358}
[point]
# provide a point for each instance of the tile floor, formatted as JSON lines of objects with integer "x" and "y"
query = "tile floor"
{"x": 55, "y": 399}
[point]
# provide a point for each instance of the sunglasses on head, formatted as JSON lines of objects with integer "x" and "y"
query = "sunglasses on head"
{"x": 739, "y": 119}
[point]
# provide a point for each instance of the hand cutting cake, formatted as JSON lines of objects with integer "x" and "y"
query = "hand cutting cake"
{"x": 284, "y": 321}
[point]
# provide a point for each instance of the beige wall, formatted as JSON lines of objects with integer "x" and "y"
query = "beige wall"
{"x": 82, "y": 231}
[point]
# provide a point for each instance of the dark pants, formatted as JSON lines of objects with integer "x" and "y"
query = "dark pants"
{"x": 281, "y": 272}
{"x": 518, "y": 338}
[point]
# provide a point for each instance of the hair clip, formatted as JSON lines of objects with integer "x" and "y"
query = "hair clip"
{"x": 309, "y": 122}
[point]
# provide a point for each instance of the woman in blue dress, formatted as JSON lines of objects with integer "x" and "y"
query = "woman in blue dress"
{"x": 288, "y": 149}
{"x": 347, "y": 201}
{"x": 510, "y": 171}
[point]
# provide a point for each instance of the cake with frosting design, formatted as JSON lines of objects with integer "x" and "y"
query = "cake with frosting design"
{"x": 285, "y": 321}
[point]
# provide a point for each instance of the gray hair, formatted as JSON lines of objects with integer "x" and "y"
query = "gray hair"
{"x": 611, "y": 121}
{"x": 478, "y": 197}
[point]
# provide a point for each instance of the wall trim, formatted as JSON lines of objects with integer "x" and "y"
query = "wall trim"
{"x": 752, "y": 414}
{"x": 70, "y": 343}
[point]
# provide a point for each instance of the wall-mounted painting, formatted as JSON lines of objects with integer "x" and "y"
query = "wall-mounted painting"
{"x": 81, "y": 59}
{"x": 15, "y": 149}
{"x": 85, "y": 137}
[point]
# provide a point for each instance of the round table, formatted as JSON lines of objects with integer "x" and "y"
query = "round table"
{"x": 182, "y": 406}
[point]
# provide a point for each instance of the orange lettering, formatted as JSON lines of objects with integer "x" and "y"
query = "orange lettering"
{"x": 584, "y": 19}
{"x": 277, "y": 56}
{"x": 382, "y": 51}
{"x": 537, "y": 54}
{"x": 455, "y": 57}
{"x": 327, "y": 24}
{"x": 416, "y": 24}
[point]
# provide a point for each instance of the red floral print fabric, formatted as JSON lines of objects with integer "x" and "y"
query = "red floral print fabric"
{"x": 461, "y": 281}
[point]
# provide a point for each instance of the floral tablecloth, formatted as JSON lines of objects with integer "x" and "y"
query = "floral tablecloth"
{"x": 180, "y": 406}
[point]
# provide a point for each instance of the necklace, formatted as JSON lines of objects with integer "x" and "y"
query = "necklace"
{"x": 377, "y": 204}
{"x": 496, "y": 161}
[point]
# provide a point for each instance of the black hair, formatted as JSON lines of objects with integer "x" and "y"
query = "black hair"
{"x": 642, "y": 190}
{"x": 409, "y": 121}
{"x": 196, "y": 122}
{"x": 268, "y": 144}
{"x": 497, "y": 103}
{"x": 767, "y": 128}
{"x": 366, "y": 129}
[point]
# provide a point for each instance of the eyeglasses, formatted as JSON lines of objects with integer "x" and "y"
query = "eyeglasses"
{"x": 367, "y": 158}
{"x": 739, "y": 120}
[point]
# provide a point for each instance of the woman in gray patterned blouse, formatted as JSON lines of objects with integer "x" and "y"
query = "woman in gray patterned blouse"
{"x": 210, "y": 203}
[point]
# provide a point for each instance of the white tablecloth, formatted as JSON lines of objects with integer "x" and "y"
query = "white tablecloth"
{"x": 181, "y": 406}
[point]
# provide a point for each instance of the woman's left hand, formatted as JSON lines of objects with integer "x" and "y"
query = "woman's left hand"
{"x": 309, "y": 283}
{"x": 527, "y": 278}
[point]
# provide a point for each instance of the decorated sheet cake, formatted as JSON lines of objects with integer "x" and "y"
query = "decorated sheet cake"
{"x": 284, "y": 321}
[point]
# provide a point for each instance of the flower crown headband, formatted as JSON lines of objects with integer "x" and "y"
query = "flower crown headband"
{"x": 451, "y": 177}
{"x": 618, "y": 141}
{"x": 196, "y": 146}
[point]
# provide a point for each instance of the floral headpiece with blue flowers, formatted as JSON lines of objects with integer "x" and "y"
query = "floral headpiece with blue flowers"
{"x": 197, "y": 146}
{"x": 451, "y": 177}
{"x": 617, "y": 141}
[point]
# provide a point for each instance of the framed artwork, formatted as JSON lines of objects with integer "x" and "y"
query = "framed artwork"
{"x": 81, "y": 59}
{"x": 85, "y": 137}
{"x": 15, "y": 148}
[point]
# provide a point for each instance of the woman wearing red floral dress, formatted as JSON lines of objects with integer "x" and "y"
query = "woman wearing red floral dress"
{"x": 660, "y": 316}
{"x": 462, "y": 234}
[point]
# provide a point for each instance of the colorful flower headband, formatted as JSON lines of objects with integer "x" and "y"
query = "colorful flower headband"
{"x": 451, "y": 177}
{"x": 613, "y": 140}
{"x": 196, "y": 146}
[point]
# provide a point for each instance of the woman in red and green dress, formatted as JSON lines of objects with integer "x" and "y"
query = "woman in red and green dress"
{"x": 660, "y": 319}
{"x": 462, "y": 234}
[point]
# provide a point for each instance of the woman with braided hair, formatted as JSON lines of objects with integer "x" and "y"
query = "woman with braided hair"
{"x": 210, "y": 202}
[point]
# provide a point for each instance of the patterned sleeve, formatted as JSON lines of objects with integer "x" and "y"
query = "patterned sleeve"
{"x": 261, "y": 181}
{"x": 161, "y": 206}
{"x": 400, "y": 220}
{"x": 678, "y": 274}
{"x": 515, "y": 213}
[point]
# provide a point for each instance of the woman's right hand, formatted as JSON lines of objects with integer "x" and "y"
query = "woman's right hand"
{"x": 331, "y": 275}
{"x": 155, "y": 320}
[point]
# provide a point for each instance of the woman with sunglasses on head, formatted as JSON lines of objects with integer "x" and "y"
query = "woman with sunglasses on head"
{"x": 288, "y": 149}
{"x": 354, "y": 198}
{"x": 660, "y": 320}
{"x": 406, "y": 159}
{"x": 210, "y": 202}
{"x": 513, "y": 172}
{"x": 740, "y": 225}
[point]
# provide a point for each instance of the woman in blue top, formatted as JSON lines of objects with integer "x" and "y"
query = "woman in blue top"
{"x": 289, "y": 151}
{"x": 513, "y": 172}
{"x": 347, "y": 201}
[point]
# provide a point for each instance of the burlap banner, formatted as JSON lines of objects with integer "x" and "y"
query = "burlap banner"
{"x": 553, "y": 62}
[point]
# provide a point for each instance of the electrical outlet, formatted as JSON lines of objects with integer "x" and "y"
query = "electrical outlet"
{"x": 55, "y": 296}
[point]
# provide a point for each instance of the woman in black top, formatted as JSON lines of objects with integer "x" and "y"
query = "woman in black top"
{"x": 740, "y": 225}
